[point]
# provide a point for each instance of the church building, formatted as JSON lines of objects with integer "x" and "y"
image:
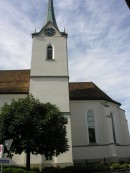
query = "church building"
{"x": 97, "y": 128}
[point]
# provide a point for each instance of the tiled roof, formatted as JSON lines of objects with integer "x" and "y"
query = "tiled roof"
{"x": 17, "y": 81}
{"x": 14, "y": 81}
{"x": 87, "y": 91}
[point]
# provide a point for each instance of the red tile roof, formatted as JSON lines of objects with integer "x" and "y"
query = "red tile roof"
{"x": 14, "y": 81}
{"x": 17, "y": 81}
{"x": 87, "y": 91}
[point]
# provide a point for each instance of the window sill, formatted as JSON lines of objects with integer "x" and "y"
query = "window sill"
{"x": 92, "y": 144}
{"x": 50, "y": 60}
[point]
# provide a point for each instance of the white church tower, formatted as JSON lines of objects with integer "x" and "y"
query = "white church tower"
{"x": 49, "y": 78}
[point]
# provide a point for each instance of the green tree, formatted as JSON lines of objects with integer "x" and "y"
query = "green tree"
{"x": 35, "y": 128}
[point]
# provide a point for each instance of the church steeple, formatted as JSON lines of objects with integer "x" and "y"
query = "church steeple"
{"x": 49, "y": 77}
{"x": 50, "y": 15}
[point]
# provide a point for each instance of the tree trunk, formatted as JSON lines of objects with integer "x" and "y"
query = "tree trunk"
{"x": 28, "y": 160}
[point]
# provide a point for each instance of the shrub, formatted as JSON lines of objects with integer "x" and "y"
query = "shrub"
{"x": 93, "y": 167}
{"x": 52, "y": 170}
{"x": 115, "y": 166}
{"x": 18, "y": 170}
{"x": 100, "y": 167}
{"x": 35, "y": 170}
{"x": 13, "y": 170}
{"x": 77, "y": 169}
{"x": 119, "y": 166}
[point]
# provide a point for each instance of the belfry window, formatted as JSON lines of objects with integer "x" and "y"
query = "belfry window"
{"x": 91, "y": 127}
{"x": 50, "y": 52}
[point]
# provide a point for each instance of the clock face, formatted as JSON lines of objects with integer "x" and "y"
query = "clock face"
{"x": 49, "y": 31}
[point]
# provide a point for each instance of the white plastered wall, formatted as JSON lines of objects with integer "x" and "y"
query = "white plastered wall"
{"x": 53, "y": 90}
{"x": 104, "y": 147}
{"x": 58, "y": 66}
{"x": 6, "y": 98}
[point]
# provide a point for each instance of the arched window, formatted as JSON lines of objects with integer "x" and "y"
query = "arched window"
{"x": 91, "y": 127}
{"x": 49, "y": 52}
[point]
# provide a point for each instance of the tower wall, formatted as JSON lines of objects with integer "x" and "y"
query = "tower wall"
{"x": 58, "y": 66}
{"x": 49, "y": 80}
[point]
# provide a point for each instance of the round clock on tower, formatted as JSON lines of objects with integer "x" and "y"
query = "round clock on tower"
{"x": 49, "y": 31}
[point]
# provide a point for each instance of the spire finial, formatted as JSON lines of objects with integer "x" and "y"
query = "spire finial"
{"x": 50, "y": 15}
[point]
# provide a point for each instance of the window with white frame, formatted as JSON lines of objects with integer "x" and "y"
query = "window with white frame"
{"x": 91, "y": 127}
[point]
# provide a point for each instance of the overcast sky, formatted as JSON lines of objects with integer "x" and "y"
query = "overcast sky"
{"x": 98, "y": 42}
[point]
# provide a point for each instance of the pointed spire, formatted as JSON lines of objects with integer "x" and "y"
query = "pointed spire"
{"x": 50, "y": 15}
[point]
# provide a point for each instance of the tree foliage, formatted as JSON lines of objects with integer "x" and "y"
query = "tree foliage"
{"x": 35, "y": 127}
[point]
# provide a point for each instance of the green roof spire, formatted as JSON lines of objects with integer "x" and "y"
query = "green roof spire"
{"x": 50, "y": 15}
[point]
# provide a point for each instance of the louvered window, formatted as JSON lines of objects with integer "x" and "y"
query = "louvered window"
{"x": 49, "y": 52}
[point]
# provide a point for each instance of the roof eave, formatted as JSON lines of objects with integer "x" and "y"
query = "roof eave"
{"x": 86, "y": 99}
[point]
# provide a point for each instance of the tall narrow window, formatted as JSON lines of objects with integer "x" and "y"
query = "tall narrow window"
{"x": 49, "y": 52}
{"x": 91, "y": 127}
{"x": 113, "y": 129}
